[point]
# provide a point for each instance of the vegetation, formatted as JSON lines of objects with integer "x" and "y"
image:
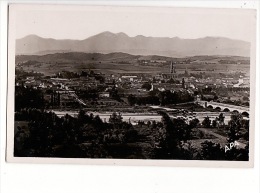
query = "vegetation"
{"x": 28, "y": 98}
{"x": 40, "y": 133}
{"x": 206, "y": 122}
{"x": 88, "y": 136}
{"x": 175, "y": 131}
{"x": 82, "y": 136}
{"x": 234, "y": 125}
{"x": 147, "y": 86}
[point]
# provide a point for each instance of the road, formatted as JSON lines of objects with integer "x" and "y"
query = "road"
{"x": 207, "y": 131}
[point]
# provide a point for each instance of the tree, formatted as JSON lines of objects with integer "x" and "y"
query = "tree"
{"x": 131, "y": 99}
{"x": 221, "y": 119}
{"x": 81, "y": 117}
{"x": 154, "y": 124}
{"x": 212, "y": 151}
{"x": 148, "y": 123}
{"x": 245, "y": 124}
{"x": 130, "y": 135}
{"x": 214, "y": 123}
{"x": 194, "y": 123}
{"x": 147, "y": 86}
{"x": 183, "y": 83}
{"x": 114, "y": 94}
{"x": 28, "y": 98}
{"x": 98, "y": 123}
{"x": 206, "y": 122}
{"x": 175, "y": 132}
{"x": 116, "y": 120}
{"x": 168, "y": 142}
{"x": 234, "y": 127}
{"x": 183, "y": 130}
{"x": 141, "y": 123}
{"x": 238, "y": 154}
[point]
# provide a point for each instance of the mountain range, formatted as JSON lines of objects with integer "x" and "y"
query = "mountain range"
{"x": 107, "y": 42}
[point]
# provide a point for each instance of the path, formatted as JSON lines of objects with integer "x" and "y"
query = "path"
{"x": 207, "y": 131}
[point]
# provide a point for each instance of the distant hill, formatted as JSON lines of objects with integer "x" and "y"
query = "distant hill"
{"x": 108, "y": 42}
{"x": 78, "y": 57}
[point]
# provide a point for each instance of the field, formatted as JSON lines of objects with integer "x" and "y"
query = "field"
{"x": 125, "y": 63}
{"x": 111, "y": 68}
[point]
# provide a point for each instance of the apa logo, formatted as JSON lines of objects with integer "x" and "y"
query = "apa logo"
{"x": 231, "y": 145}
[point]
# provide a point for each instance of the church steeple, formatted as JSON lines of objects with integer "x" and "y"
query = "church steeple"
{"x": 183, "y": 83}
{"x": 172, "y": 70}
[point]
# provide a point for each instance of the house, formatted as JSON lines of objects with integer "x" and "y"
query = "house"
{"x": 130, "y": 78}
{"x": 207, "y": 97}
{"x": 104, "y": 95}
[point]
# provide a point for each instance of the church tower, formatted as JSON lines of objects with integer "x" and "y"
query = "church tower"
{"x": 183, "y": 83}
{"x": 172, "y": 70}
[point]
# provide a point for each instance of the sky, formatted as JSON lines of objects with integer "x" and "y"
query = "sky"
{"x": 81, "y": 22}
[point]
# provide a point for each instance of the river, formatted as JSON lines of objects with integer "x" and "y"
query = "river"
{"x": 135, "y": 117}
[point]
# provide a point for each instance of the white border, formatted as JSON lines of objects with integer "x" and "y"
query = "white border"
{"x": 10, "y": 102}
{"x": 74, "y": 178}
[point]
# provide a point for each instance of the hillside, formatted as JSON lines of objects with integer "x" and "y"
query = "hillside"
{"x": 117, "y": 57}
{"x": 76, "y": 57}
{"x": 108, "y": 42}
{"x": 126, "y": 63}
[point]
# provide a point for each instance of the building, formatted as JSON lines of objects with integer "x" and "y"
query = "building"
{"x": 104, "y": 95}
{"x": 172, "y": 69}
{"x": 129, "y": 78}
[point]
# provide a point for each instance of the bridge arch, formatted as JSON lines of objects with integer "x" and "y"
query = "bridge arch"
{"x": 226, "y": 110}
{"x": 218, "y": 109}
{"x": 210, "y": 107}
{"x": 246, "y": 114}
{"x": 235, "y": 111}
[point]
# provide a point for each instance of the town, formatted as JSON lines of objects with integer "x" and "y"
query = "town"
{"x": 130, "y": 114}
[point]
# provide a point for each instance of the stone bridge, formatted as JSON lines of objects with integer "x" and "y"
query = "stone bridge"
{"x": 224, "y": 107}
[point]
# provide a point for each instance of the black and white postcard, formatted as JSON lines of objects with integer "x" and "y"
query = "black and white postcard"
{"x": 124, "y": 85}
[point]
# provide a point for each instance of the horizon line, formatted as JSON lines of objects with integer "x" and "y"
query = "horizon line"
{"x": 173, "y": 57}
{"x": 177, "y": 37}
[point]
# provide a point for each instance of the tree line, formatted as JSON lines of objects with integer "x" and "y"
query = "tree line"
{"x": 88, "y": 136}
{"x": 161, "y": 98}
